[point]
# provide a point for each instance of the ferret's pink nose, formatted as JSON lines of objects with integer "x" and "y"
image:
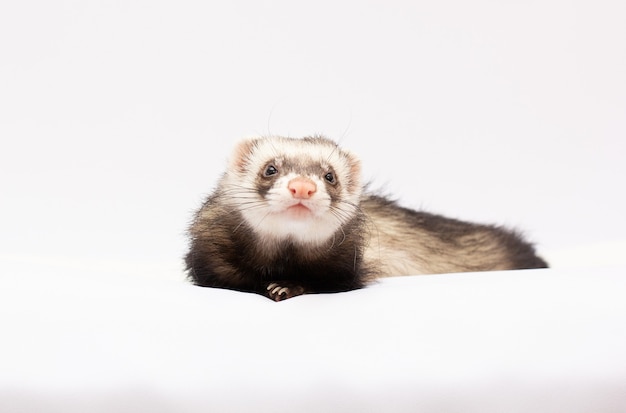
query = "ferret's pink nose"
{"x": 302, "y": 188}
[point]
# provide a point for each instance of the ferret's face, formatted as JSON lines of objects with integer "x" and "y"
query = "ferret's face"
{"x": 298, "y": 189}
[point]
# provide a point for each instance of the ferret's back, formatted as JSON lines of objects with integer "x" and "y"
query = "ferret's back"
{"x": 407, "y": 242}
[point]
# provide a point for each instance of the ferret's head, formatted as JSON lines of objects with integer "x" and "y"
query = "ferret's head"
{"x": 303, "y": 190}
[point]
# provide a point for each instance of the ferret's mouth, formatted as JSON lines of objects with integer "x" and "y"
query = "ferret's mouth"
{"x": 299, "y": 210}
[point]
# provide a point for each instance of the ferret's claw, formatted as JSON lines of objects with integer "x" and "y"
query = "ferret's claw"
{"x": 278, "y": 292}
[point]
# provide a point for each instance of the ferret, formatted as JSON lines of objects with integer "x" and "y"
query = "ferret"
{"x": 290, "y": 216}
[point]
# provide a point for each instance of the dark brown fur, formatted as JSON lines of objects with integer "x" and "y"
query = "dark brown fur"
{"x": 223, "y": 257}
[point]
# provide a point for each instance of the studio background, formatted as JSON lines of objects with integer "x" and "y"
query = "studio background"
{"x": 116, "y": 118}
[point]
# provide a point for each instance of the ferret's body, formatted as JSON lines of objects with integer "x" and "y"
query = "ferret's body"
{"x": 289, "y": 217}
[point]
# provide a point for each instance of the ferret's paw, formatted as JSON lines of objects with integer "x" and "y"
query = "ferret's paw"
{"x": 282, "y": 291}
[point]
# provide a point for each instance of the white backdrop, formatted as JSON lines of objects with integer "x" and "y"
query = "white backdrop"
{"x": 116, "y": 117}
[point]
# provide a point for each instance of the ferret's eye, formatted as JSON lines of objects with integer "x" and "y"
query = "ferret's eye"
{"x": 330, "y": 177}
{"x": 270, "y": 170}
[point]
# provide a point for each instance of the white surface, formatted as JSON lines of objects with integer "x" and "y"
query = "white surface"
{"x": 534, "y": 340}
{"x": 116, "y": 119}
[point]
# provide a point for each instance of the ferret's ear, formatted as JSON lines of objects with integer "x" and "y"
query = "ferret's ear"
{"x": 241, "y": 155}
{"x": 354, "y": 164}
